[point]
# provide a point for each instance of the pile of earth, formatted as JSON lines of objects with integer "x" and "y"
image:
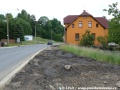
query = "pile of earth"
{"x": 54, "y": 69}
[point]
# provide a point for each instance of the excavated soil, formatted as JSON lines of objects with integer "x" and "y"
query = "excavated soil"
{"x": 54, "y": 69}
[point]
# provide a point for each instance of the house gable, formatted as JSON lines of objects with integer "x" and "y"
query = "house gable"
{"x": 84, "y": 22}
{"x": 71, "y": 18}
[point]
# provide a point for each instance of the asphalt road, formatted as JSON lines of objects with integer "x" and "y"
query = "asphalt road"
{"x": 10, "y": 58}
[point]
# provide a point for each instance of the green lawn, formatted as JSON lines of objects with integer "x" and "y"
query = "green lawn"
{"x": 38, "y": 41}
{"x": 97, "y": 54}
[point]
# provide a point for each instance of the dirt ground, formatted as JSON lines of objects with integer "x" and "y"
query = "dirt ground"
{"x": 54, "y": 69}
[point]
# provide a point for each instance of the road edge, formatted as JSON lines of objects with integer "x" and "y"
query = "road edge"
{"x": 8, "y": 78}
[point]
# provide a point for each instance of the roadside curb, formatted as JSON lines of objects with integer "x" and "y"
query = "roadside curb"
{"x": 8, "y": 78}
{"x": 12, "y": 46}
{"x": 8, "y": 47}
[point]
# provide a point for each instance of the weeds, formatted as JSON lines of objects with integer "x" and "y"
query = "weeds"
{"x": 97, "y": 54}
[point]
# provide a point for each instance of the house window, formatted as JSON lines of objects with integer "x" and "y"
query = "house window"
{"x": 73, "y": 25}
{"x": 97, "y": 25}
{"x": 77, "y": 37}
{"x": 80, "y": 24}
{"x": 93, "y": 35}
{"x": 89, "y": 24}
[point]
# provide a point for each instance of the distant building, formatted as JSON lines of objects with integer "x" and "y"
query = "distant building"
{"x": 76, "y": 25}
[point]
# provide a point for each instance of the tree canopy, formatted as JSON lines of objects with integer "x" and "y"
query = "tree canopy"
{"x": 114, "y": 23}
{"x": 25, "y": 24}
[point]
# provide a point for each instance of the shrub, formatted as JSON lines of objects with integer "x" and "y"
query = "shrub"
{"x": 103, "y": 41}
{"x": 87, "y": 39}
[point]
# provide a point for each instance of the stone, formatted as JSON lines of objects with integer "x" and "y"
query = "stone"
{"x": 36, "y": 64}
{"x": 59, "y": 53}
{"x": 118, "y": 84}
{"x": 51, "y": 87}
{"x": 69, "y": 55}
{"x": 36, "y": 75}
{"x": 67, "y": 67}
{"x": 50, "y": 72}
{"x": 105, "y": 82}
{"x": 17, "y": 84}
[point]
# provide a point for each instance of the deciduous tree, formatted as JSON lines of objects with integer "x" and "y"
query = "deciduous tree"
{"x": 114, "y": 23}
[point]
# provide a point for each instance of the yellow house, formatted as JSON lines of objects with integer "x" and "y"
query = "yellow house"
{"x": 76, "y": 26}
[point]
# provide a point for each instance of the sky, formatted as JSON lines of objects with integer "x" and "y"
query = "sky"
{"x": 56, "y": 8}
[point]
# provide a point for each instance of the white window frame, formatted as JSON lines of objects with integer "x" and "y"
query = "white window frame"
{"x": 89, "y": 24}
{"x": 80, "y": 24}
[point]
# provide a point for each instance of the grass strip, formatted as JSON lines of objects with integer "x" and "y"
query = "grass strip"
{"x": 97, "y": 54}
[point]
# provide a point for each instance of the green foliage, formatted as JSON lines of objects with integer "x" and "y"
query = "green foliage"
{"x": 114, "y": 24}
{"x": 43, "y": 20}
{"x": 58, "y": 37}
{"x": 113, "y": 10}
{"x": 87, "y": 39}
{"x": 26, "y": 27}
{"x": 16, "y": 29}
{"x": 25, "y": 24}
{"x": 33, "y": 23}
{"x": 43, "y": 33}
{"x": 3, "y": 30}
{"x": 2, "y": 34}
{"x": 50, "y": 29}
{"x": 18, "y": 32}
{"x": 103, "y": 41}
{"x": 9, "y": 16}
{"x": 114, "y": 31}
{"x": 96, "y": 54}
{"x": 56, "y": 26}
{"x": 28, "y": 23}
{"x": 24, "y": 15}
{"x": 2, "y": 17}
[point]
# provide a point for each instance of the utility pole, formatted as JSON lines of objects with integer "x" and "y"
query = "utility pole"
{"x": 35, "y": 32}
{"x": 51, "y": 35}
{"x": 7, "y": 30}
{"x": 8, "y": 25}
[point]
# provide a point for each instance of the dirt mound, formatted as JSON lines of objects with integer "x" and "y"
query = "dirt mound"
{"x": 47, "y": 71}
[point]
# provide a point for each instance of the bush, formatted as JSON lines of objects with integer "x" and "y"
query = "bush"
{"x": 58, "y": 37}
{"x": 103, "y": 41}
{"x": 87, "y": 39}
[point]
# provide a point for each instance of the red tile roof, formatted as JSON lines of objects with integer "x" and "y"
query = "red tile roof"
{"x": 70, "y": 18}
{"x": 85, "y": 13}
{"x": 102, "y": 21}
